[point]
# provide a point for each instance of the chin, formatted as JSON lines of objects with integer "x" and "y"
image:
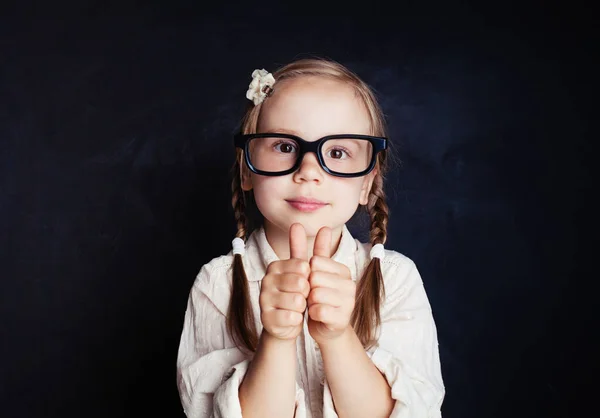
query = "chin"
{"x": 311, "y": 226}
{"x": 311, "y": 229}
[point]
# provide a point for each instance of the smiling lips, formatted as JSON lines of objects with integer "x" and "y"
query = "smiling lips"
{"x": 305, "y": 204}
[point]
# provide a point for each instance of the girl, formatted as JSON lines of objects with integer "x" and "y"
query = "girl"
{"x": 300, "y": 319}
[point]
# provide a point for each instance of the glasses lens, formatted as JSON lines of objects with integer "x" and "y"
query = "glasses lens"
{"x": 347, "y": 155}
{"x": 273, "y": 154}
{"x": 342, "y": 155}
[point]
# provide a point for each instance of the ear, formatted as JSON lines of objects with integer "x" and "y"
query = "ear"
{"x": 366, "y": 187}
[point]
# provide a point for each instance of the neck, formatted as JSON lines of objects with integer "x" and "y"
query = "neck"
{"x": 279, "y": 239}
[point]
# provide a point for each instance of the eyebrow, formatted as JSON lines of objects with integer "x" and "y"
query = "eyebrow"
{"x": 292, "y": 132}
{"x": 283, "y": 131}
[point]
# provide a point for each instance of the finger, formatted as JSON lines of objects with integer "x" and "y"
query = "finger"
{"x": 294, "y": 265}
{"x": 322, "y": 246}
{"x": 325, "y": 296}
{"x": 329, "y": 265}
{"x": 298, "y": 245}
{"x": 282, "y": 318}
{"x": 290, "y": 301}
{"x": 325, "y": 314}
{"x": 293, "y": 283}
{"x": 331, "y": 281}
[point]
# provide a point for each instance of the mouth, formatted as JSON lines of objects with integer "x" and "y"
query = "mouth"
{"x": 305, "y": 204}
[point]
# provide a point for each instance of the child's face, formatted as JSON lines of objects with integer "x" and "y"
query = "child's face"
{"x": 311, "y": 108}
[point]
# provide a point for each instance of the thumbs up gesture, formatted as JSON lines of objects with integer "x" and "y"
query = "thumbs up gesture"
{"x": 285, "y": 288}
{"x": 332, "y": 292}
{"x": 323, "y": 285}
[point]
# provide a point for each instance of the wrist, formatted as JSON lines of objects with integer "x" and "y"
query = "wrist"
{"x": 341, "y": 340}
{"x": 270, "y": 340}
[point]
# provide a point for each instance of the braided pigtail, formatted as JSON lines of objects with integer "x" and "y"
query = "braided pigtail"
{"x": 370, "y": 289}
{"x": 240, "y": 317}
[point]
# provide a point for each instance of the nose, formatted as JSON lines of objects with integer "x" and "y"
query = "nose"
{"x": 309, "y": 169}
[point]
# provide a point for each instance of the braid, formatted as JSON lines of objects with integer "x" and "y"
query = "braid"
{"x": 238, "y": 202}
{"x": 370, "y": 289}
{"x": 240, "y": 317}
{"x": 378, "y": 212}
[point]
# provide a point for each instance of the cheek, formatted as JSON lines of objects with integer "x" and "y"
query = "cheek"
{"x": 347, "y": 189}
{"x": 346, "y": 194}
{"x": 266, "y": 190}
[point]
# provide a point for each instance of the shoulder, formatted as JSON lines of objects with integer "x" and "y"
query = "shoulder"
{"x": 392, "y": 260}
{"x": 213, "y": 282}
{"x": 395, "y": 261}
{"x": 398, "y": 270}
{"x": 213, "y": 270}
{"x": 405, "y": 295}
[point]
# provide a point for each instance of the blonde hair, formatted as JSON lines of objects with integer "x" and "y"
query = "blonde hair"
{"x": 370, "y": 289}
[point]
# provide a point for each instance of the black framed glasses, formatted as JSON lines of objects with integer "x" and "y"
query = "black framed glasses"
{"x": 341, "y": 155}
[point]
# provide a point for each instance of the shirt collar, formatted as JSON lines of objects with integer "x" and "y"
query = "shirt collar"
{"x": 260, "y": 252}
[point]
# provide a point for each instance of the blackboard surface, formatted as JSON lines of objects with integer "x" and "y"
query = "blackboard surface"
{"x": 116, "y": 126}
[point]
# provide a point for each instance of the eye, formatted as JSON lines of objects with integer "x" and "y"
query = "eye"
{"x": 337, "y": 153}
{"x": 285, "y": 147}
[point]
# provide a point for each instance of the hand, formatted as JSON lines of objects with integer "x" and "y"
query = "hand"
{"x": 332, "y": 292}
{"x": 285, "y": 288}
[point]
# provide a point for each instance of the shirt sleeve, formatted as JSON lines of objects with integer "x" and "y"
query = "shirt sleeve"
{"x": 210, "y": 368}
{"x": 226, "y": 398}
{"x": 407, "y": 350}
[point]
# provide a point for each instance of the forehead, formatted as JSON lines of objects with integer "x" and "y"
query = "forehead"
{"x": 313, "y": 107}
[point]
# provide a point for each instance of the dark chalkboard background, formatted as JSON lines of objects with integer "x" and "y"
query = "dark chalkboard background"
{"x": 115, "y": 147}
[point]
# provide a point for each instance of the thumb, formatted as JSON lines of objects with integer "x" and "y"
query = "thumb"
{"x": 322, "y": 245}
{"x": 298, "y": 243}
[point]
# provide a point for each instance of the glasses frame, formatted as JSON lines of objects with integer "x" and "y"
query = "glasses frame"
{"x": 379, "y": 143}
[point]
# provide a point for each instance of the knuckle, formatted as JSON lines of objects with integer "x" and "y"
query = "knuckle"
{"x": 288, "y": 266}
{"x": 313, "y": 278}
{"x": 299, "y": 301}
{"x": 306, "y": 288}
{"x": 267, "y": 281}
{"x": 273, "y": 266}
{"x": 299, "y": 282}
{"x": 347, "y": 271}
{"x": 289, "y": 316}
{"x": 318, "y": 312}
{"x": 302, "y": 267}
{"x": 314, "y": 296}
{"x": 265, "y": 299}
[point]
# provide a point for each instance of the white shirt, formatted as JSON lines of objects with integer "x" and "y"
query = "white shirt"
{"x": 210, "y": 368}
